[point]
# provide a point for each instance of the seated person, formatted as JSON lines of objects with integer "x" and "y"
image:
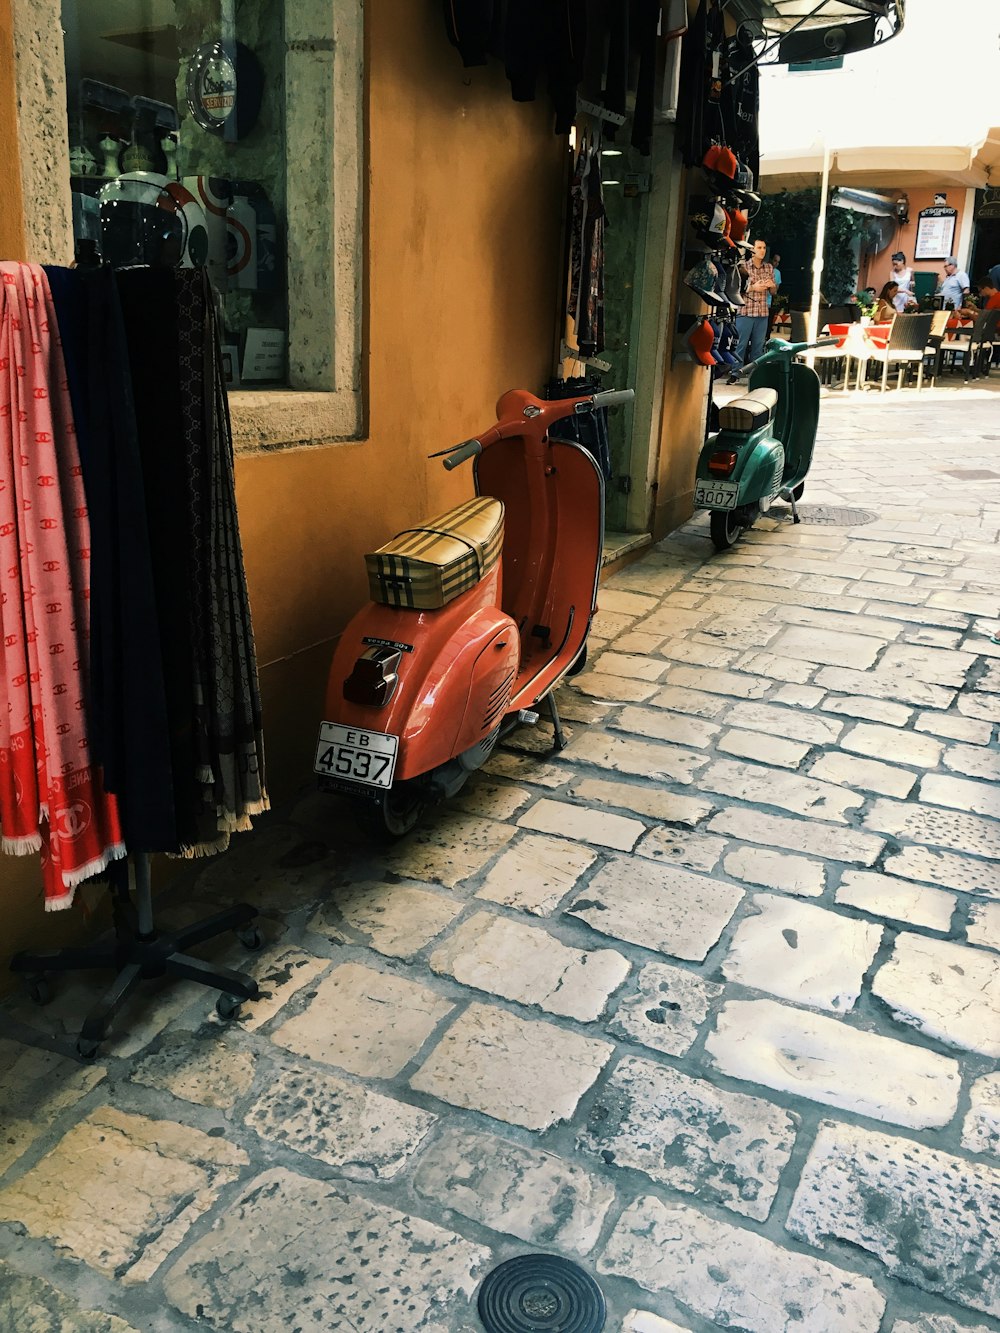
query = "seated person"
{"x": 885, "y": 309}
{"x": 989, "y": 293}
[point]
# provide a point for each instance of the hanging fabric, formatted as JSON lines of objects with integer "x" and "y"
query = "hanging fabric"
{"x": 228, "y": 721}
{"x": 51, "y": 794}
{"x": 130, "y": 713}
{"x": 209, "y": 663}
{"x": 129, "y": 729}
{"x": 585, "y": 303}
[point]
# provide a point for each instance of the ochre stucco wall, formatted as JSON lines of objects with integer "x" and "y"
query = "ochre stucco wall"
{"x": 464, "y": 252}
{"x": 880, "y": 267}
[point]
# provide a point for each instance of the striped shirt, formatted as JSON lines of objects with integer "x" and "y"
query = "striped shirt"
{"x": 756, "y": 302}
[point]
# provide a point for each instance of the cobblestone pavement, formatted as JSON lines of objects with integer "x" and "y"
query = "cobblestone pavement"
{"x": 709, "y": 1002}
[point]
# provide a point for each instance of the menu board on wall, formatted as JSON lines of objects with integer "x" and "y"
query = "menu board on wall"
{"x": 935, "y": 233}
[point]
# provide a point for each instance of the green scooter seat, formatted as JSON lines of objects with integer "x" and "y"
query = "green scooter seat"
{"x": 750, "y": 411}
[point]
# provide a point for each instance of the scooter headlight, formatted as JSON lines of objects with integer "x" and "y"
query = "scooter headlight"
{"x": 374, "y": 680}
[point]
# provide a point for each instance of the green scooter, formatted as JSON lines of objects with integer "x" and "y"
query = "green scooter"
{"x": 764, "y": 446}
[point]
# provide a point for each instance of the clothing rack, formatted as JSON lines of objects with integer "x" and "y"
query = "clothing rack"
{"x": 206, "y": 776}
{"x": 137, "y": 951}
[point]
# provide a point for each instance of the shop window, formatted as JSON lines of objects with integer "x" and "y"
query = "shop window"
{"x": 177, "y": 115}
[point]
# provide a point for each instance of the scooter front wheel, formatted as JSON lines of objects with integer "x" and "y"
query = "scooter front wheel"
{"x": 727, "y": 526}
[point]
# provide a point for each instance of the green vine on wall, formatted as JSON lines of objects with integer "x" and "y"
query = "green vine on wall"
{"x": 795, "y": 214}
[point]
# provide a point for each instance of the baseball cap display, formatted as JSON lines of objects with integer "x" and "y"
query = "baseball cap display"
{"x": 721, "y": 161}
{"x": 700, "y": 339}
{"x": 703, "y": 280}
{"x": 734, "y": 287}
{"x": 738, "y": 223}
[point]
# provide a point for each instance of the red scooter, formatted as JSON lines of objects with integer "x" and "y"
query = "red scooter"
{"x": 475, "y": 617}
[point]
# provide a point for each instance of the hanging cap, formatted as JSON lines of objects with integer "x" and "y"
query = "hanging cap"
{"x": 722, "y": 160}
{"x": 738, "y": 223}
{"x": 700, "y": 340}
{"x": 703, "y": 280}
{"x": 711, "y": 226}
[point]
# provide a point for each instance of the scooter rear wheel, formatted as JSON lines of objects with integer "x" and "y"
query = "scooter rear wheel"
{"x": 397, "y": 813}
{"x": 726, "y": 528}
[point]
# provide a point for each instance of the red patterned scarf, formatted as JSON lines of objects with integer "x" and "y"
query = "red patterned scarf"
{"x": 51, "y": 797}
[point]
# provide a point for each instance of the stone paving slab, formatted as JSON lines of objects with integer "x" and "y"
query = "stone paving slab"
{"x": 527, "y": 964}
{"x": 659, "y": 907}
{"x": 823, "y": 1060}
{"x": 931, "y": 1218}
{"x": 667, "y": 1008}
{"x": 378, "y": 1270}
{"x": 364, "y": 1135}
{"x": 735, "y": 1278}
{"x": 802, "y": 953}
{"x": 367, "y": 1022}
{"x": 945, "y": 990}
{"x": 31, "y": 1305}
{"x": 522, "y": 1072}
{"x": 120, "y": 1191}
{"x": 537, "y": 1196}
{"x": 35, "y": 1087}
{"x": 682, "y": 1132}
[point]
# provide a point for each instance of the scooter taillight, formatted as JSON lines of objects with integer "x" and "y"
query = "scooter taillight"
{"x": 722, "y": 462}
{"x": 373, "y": 680}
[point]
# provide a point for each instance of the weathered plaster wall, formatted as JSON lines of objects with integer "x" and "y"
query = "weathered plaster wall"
{"x": 40, "y": 81}
{"x": 464, "y": 252}
{"x": 11, "y": 209}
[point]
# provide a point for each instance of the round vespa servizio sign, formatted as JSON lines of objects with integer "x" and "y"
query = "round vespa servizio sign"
{"x": 224, "y": 84}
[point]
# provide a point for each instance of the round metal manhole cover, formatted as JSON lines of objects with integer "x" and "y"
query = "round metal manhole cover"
{"x": 541, "y": 1293}
{"x": 833, "y": 516}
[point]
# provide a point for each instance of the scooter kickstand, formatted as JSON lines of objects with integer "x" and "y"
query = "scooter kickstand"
{"x": 787, "y": 495}
{"x": 559, "y": 742}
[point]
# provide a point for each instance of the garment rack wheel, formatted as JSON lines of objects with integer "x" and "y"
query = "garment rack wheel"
{"x": 137, "y": 951}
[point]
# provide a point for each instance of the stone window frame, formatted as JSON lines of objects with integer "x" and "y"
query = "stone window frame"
{"x": 324, "y": 85}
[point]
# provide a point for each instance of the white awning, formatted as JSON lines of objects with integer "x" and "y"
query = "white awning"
{"x": 900, "y": 114}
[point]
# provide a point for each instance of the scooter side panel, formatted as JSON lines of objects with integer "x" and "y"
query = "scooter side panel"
{"x": 437, "y": 673}
{"x": 798, "y": 418}
{"x": 554, "y": 496}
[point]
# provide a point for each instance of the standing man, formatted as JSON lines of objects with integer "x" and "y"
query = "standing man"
{"x": 771, "y": 307}
{"x": 954, "y": 285}
{"x": 751, "y": 325}
{"x": 903, "y": 278}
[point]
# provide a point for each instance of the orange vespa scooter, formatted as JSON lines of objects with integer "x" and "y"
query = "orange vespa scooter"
{"x": 475, "y": 617}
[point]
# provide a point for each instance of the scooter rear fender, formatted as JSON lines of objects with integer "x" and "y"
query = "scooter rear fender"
{"x": 457, "y": 666}
{"x": 760, "y": 462}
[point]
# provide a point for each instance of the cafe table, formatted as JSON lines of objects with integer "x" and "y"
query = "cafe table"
{"x": 857, "y": 341}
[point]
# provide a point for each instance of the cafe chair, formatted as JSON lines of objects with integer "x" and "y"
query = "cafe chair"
{"x": 903, "y": 348}
{"x": 934, "y": 351}
{"x": 975, "y": 344}
{"x": 828, "y": 355}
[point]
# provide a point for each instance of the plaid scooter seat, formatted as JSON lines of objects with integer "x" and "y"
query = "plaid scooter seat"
{"x": 425, "y": 568}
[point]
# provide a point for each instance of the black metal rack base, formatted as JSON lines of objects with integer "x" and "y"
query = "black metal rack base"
{"x": 139, "y": 952}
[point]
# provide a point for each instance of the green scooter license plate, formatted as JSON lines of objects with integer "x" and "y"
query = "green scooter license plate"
{"x": 716, "y": 494}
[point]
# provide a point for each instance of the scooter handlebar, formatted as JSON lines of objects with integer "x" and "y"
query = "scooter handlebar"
{"x": 778, "y": 347}
{"x": 612, "y": 397}
{"x": 461, "y": 452}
